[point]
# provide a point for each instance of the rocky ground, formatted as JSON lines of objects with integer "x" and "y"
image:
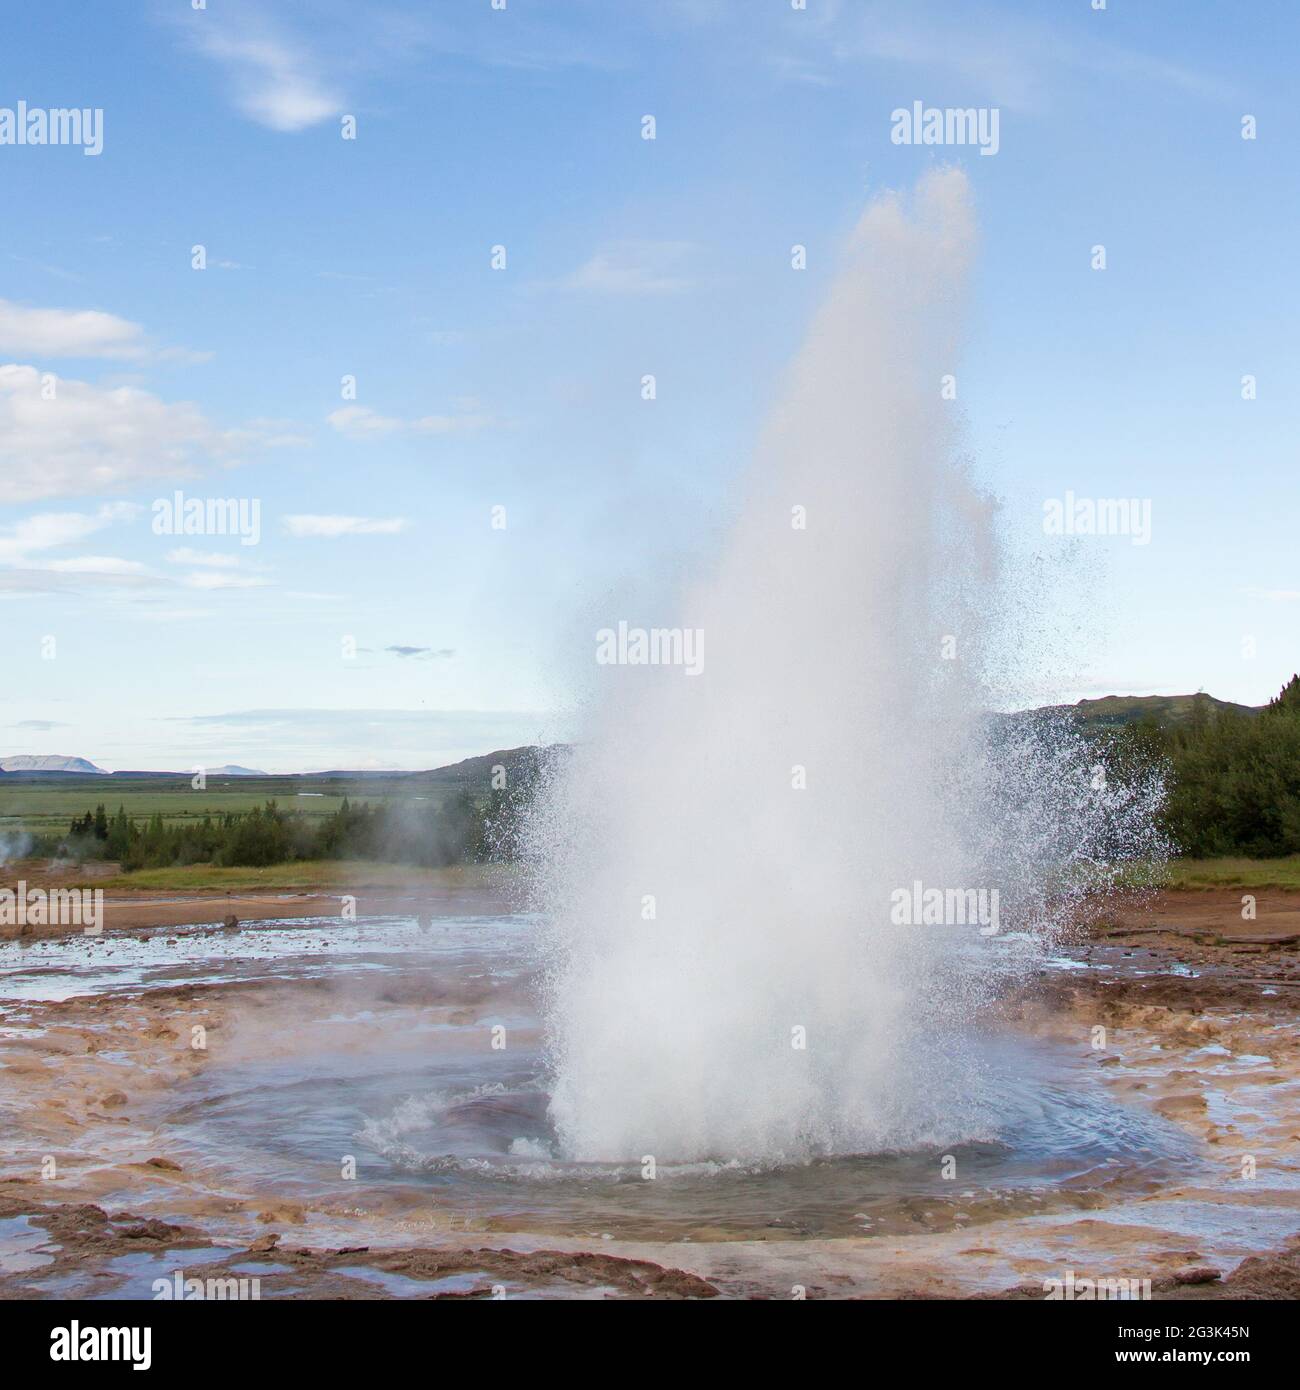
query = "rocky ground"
{"x": 1182, "y": 1004}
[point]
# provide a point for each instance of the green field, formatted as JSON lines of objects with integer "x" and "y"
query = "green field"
{"x": 1235, "y": 873}
{"x": 322, "y": 876}
{"x": 348, "y": 875}
{"x": 42, "y": 808}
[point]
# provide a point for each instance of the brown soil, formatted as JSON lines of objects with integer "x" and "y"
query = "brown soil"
{"x": 127, "y": 909}
{"x": 1208, "y": 917}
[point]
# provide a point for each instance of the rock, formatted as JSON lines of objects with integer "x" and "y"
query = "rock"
{"x": 160, "y": 1231}
{"x": 112, "y": 1099}
{"x": 1196, "y": 1274}
{"x": 1184, "y": 1105}
{"x": 164, "y": 1163}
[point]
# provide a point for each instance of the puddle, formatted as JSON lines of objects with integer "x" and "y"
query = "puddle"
{"x": 1218, "y": 1223}
{"x": 20, "y": 1242}
{"x": 404, "y": 1286}
{"x": 304, "y": 948}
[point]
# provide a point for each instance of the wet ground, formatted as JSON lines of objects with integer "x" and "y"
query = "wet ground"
{"x": 358, "y": 1109}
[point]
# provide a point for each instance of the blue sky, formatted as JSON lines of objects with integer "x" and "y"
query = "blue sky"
{"x": 520, "y": 388}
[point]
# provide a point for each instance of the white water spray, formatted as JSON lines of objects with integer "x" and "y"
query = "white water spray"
{"x": 718, "y": 858}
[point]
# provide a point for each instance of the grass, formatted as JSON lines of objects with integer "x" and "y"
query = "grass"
{"x": 1192, "y": 874}
{"x": 1185, "y": 875}
{"x": 322, "y": 876}
{"x": 1200, "y": 875}
{"x": 44, "y": 810}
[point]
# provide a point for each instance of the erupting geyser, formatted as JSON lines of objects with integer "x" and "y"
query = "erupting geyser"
{"x": 718, "y": 858}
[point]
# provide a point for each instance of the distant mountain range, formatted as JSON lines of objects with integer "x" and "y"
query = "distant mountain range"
{"x": 83, "y": 767}
{"x": 1109, "y": 712}
{"x": 469, "y": 772}
{"x": 25, "y": 762}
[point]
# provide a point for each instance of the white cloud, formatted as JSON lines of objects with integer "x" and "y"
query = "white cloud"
{"x": 211, "y": 579}
{"x": 46, "y": 333}
{"x": 332, "y": 526}
{"x": 276, "y": 81}
{"x": 49, "y": 530}
{"x": 208, "y": 558}
{"x": 67, "y": 333}
{"x": 96, "y": 564}
{"x": 360, "y": 422}
{"x": 214, "y": 569}
{"x": 632, "y": 267}
{"x": 91, "y": 439}
{"x": 22, "y": 547}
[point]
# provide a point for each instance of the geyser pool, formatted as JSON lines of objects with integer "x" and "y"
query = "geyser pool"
{"x": 389, "y": 1060}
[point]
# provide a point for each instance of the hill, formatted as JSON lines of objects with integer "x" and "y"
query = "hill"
{"x": 52, "y": 762}
{"x": 476, "y": 773}
{"x": 1169, "y": 711}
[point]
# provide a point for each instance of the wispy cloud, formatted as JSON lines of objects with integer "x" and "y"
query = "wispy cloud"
{"x": 23, "y": 540}
{"x": 212, "y": 570}
{"x": 1007, "y": 57}
{"x": 28, "y": 567}
{"x": 276, "y": 80}
{"x": 223, "y": 579}
{"x": 633, "y": 267}
{"x": 423, "y": 653}
{"x": 215, "y": 559}
{"x": 330, "y": 527}
{"x": 360, "y": 422}
{"x": 291, "y": 67}
{"x": 96, "y": 564}
{"x": 57, "y": 271}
